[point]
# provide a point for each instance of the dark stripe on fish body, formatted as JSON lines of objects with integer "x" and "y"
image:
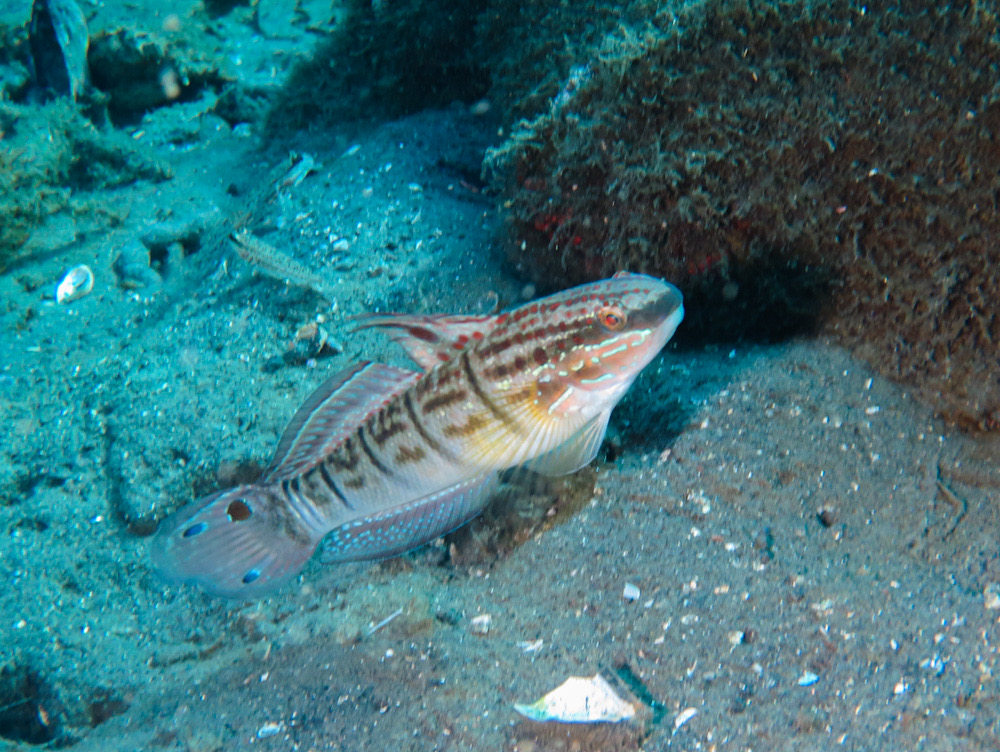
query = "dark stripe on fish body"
{"x": 513, "y": 367}
{"x": 434, "y": 382}
{"x": 443, "y": 400}
{"x": 477, "y": 388}
{"x": 354, "y": 483}
{"x": 332, "y": 485}
{"x": 345, "y": 457}
{"x": 406, "y": 455}
{"x": 419, "y": 427}
{"x": 391, "y": 412}
{"x": 473, "y": 424}
{"x": 495, "y": 348}
{"x": 498, "y": 372}
{"x": 299, "y": 506}
{"x": 518, "y": 397}
{"x": 565, "y": 343}
{"x": 376, "y": 463}
{"x": 385, "y": 430}
{"x": 517, "y": 338}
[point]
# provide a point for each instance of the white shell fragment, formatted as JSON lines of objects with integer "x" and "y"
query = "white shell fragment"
{"x": 631, "y": 592}
{"x": 991, "y": 596}
{"x": 683, "y": 717}
{"x": 481, "y": 624}
{"x": 580, "y": 700}
{"x": 269, "y": 729}
{"x": 79, "y": 281}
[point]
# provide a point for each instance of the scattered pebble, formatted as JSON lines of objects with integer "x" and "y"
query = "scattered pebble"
{"x": 268, "y": 729}
{"x": 991, "y": 596}
{"x": 481, "y": 624}
{"x": 303, "y": 165}
{"x": 683, "y": 717}
{"x": 808, "y": 679}
{"x": 481, "y": 107}
{"x": 631, "y": 592}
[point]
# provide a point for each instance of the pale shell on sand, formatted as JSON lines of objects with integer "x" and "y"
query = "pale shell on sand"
{"x": 79, "y": 281}
{"x": 580, "y": 700}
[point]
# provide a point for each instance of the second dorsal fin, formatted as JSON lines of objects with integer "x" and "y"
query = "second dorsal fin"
{"x": 331, "y": 413}
{"x": 430, "y": 340}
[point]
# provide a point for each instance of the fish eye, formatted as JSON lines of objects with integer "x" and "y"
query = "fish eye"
{"x": 612, "y": 318}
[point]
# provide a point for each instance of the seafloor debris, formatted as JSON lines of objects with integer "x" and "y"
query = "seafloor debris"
{"x": 133, "y": 267}
{"x": 141, "y": 71}
{"x": 59, "y": 41}
{"x": 684, "y": 716}
{"x": 272, "y": 262}
{"x": 302, "y": 165}
{"x": 630, "y": 592}
{"x": 481, "y": 624}
{"x": 991, "y": 596}
{"x": 79, "y": 281}
{"x": 580, "y": 700}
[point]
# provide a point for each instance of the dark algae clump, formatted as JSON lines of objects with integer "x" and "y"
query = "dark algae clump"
{"x": 794, "y": 167}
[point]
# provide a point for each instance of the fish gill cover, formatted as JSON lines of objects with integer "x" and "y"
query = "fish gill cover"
{"x": 793, "y": 166}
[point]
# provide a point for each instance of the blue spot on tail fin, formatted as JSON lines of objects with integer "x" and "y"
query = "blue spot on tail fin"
{"x": 238, "y": 543}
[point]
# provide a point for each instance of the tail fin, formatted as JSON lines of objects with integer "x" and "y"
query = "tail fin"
{"x": 243, "y": 542}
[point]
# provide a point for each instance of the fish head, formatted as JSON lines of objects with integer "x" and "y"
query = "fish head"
{"x": 608, "y": 332}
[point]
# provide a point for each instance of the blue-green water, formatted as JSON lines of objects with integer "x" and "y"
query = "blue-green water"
{"x": 779, "y": 547}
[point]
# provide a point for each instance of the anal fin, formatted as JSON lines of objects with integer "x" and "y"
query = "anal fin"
{"x": 409, "y": 525}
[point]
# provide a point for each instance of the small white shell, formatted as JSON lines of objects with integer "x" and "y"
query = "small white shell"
{"x": 580, "y": 700}
{"x": 683, "y": 717}
{"x": 481, "y": 624}
{"x": 79, "y": 281}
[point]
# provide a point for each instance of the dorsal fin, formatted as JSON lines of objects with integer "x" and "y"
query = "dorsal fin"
{"x": 333, "y": 411}
{"x": 429, "y": 340}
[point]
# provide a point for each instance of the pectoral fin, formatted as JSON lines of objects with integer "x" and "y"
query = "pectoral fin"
{"x": 576, "y": 452}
